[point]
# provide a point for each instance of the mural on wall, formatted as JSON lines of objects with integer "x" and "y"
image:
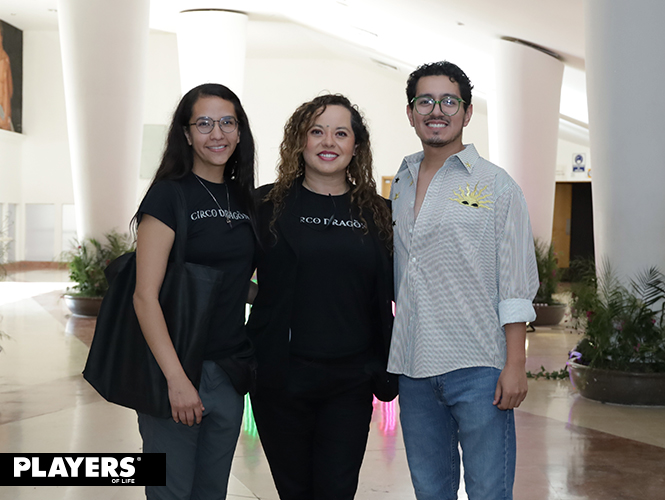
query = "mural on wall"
{"x": 11, "y": 77}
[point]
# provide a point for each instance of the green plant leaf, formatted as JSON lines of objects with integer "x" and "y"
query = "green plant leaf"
{"x": 89, "y": 258}
{"x": 549, "y": 273}
{"x": 622, "y": 325}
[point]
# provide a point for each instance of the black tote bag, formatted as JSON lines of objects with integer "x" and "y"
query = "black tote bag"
{"x": 120, "y": 365}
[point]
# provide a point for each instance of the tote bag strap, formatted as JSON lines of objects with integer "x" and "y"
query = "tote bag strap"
{"x": 181, "y": 225}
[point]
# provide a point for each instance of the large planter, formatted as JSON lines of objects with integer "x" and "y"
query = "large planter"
{"x": 549, "y": 315}
{"x": 83, "y": 306}
{"x": 625, "y": 388}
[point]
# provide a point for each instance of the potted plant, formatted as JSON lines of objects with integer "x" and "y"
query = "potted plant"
{"x": 87, "y": 262}
{"x": 548, "y": 311}
{"x": 621, "y": 357}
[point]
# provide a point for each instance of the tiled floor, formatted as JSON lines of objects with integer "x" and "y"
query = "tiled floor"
{"x": 569, "y": 448}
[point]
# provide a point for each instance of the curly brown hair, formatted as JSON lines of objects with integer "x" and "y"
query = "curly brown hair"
{"x": 291, "y": 166}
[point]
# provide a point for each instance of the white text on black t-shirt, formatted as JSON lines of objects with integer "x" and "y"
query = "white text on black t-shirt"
{"x": 202, "y": 214}
{"x": 328, "y": 221}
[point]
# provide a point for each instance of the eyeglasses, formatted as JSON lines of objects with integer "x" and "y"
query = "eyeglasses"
{"x": 205, "y": 125}
{"x": 449, "y": 105}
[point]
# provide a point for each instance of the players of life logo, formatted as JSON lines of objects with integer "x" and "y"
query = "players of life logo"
{"x": 83, "y": 469}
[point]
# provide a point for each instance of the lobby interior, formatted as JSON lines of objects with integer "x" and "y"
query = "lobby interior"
{"x": 569, "y": 448}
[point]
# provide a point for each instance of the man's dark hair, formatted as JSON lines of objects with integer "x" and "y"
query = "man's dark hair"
{"x": 440, "y": 68}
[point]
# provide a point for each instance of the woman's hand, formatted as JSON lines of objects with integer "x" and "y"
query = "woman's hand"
{"x": 186, "y": 405}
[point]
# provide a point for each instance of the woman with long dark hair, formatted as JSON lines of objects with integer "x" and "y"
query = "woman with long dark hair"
{"x": 322, "y": 319}
{"x": 209, "y": 158}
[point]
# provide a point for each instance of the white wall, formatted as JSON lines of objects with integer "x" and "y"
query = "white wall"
{"x": 162, "y": 84}
{"x": 34, "y": 167}
{"x": 476, "y": 131}
{"x": 274, "y": 88}
{"x": 11, "y": 148}
{"x": 45, "y": 174}
{"x": 11, "y": 154}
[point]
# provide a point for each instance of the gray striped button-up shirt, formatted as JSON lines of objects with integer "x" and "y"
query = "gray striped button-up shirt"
{"x": 463, "y": 268}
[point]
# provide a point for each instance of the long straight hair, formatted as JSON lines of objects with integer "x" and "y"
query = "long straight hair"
{"x": 178, "y": 158}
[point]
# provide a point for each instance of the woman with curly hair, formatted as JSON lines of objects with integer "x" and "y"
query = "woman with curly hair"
{"x": 322, "y": 319}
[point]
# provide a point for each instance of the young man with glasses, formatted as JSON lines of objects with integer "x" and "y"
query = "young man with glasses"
{"x": 465, "y": 276}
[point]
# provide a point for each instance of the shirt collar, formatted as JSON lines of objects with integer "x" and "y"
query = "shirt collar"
{"x": 412, "y": 164}
{"x": 466, "y": 158}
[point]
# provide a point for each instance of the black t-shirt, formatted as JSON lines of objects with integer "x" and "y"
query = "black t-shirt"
{"x": 336, "y": 280}
{"x": 212, "y": 241}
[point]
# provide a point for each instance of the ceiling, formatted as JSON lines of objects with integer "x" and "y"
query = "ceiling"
{"x": 395, "y": 33}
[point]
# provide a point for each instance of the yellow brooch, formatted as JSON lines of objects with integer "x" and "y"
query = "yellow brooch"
{"x": 473, "y": 198}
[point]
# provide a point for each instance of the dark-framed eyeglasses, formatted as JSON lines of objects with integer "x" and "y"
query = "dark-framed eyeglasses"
{"x": 205, "y": 124}
{"x": 449, "y": 104}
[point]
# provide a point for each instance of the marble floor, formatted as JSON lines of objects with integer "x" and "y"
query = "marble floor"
{"x": 569, "y": 448}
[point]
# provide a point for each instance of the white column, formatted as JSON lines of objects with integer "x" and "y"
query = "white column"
{"x": 104, "y": 52}
{"x": 625, "y": 76}
{"x": 211, "y": 48}
{"x": 524, "y": 122}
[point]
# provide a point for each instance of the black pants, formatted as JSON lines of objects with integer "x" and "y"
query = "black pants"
{"x": 314, "y": 431}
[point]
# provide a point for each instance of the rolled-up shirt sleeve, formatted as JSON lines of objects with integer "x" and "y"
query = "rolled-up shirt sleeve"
{"x": 517, "y": 272}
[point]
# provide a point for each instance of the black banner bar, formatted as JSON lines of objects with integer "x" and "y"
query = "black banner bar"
{"x": 82, "y": 469}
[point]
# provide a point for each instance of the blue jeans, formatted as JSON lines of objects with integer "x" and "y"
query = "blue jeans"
{"x": 437, "y": 414}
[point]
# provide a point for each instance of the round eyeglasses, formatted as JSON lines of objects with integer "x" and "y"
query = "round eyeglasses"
{"x": 449, "y": 105}
{"x": 205, "y": 125}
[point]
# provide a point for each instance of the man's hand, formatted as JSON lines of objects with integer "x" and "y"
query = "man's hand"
{"x": 511, "y": 388}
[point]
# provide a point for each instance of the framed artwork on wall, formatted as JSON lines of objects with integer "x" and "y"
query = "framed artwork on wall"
{"x": 11, "y": 77}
